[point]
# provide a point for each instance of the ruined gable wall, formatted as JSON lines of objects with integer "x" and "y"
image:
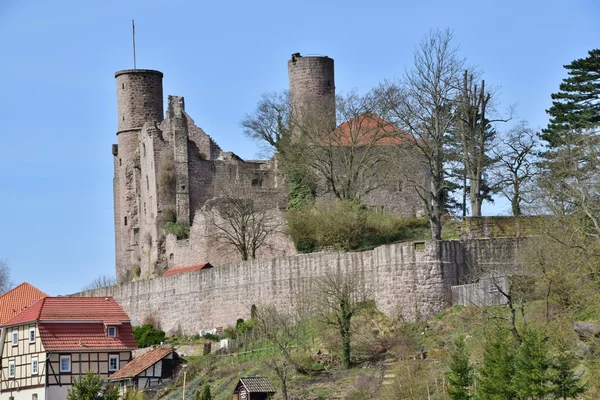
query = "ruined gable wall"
{"x": 152, "y": 146}
{"x": 207, "y": 148}
{"x": 205, "y": 245}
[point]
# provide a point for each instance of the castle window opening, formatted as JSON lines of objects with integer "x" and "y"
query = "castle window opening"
{"x": 120, "y": 163}
{"x": 147, "y": 183}
{"x": 182, "y": 187}
{"x": 419, "y": 246}
{"x": 122, "y": 86}
{"x": 256, "y": 182}
{"x": 125, "y": 221}
{"x": 144, "y": 147}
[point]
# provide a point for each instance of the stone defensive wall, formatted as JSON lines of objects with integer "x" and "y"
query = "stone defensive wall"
{"x": 501, "y": 226}
{"x": 412, "y": 279}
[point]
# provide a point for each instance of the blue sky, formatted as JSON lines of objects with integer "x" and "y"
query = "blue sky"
{"x": 58, "y": 106}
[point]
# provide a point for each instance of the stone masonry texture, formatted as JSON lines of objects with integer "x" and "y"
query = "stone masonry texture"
{"x": 409, "y": 279}
{"x": 202, "y": 171}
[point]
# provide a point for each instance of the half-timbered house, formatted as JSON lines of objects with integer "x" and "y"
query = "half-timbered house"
{"x": 49, "y": 345}
{"x": 153, "y": 368}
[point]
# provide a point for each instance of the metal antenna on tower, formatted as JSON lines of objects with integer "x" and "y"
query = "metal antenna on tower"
{"x": 133, "y": 30}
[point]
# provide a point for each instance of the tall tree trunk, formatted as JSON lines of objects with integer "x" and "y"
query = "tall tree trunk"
{"x": 344, "y": 320}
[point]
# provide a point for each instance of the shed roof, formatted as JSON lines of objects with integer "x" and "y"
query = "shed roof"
{"x": 190, "y": 268}
{"x": 255, "y": 384}
{"x": 141, "y": 363}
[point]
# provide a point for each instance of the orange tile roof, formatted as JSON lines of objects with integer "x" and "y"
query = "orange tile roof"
{"x": 18, "y": 299}
{"x": 367, "y": 129}
{"x": 85, "y": 336}
{"x": 67, "y": 309}
{"x": 179, "y": 270}
{"x": 141, "y": 363}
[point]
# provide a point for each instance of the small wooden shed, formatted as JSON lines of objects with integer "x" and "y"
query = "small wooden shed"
{"x": 253, "y": 388}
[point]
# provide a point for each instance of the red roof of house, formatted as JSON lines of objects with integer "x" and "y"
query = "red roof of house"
{"x": 367, "y": 129}
{"x": 85, "y": 336}
{"x": 17, "y": 299}
{"x": 179, "y": 270}
{"x": 141, "y": 363}
{"x": 68, "y": 309}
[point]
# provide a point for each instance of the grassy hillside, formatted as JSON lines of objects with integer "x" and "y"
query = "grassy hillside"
{"x": 387, "y": 356}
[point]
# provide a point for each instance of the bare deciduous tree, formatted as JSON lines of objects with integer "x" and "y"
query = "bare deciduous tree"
{"x": 269, "y": 124}
{"x": 283, "y": 331}
{"x": 476, "y": 137}
{"x": 569, "y": 180}
{"x": 516, "y": 168}
{"x": 5, "y": 282}
{"x": 243, "y": 219}
{"x": 424, "y": 104}
{"x": 100, "y": 281}
{"x": 339, "y": 296}
{"x": 351, "y": 159}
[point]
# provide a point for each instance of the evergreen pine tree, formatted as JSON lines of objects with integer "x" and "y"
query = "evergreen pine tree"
{"x": 203, "y": 393}
{"x": 576, "y": 106}
{"x": 460, "y": 377}
{"x": 565, "y": 385}
{"x": 532, "y": 377}
{"x": 496, "y": 371}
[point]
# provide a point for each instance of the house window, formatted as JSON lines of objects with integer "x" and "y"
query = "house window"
{"x": 11, "y": 369}
{"x": 112, "y": 331}
{"x": 34, "y": 366}
{"x": 34, "y": 396}
{"x": 15, "y": 337}
{"x": 113, "y": 362}
{"x": 31, "y": 335}
{"x": 65, "y": 363}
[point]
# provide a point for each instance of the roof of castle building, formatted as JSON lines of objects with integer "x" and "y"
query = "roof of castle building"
{"x": 367, "y": 129}
{"x": 71, "y": 309}
{"x": 18, "y": 299}
{"x": 141, "y": 363}
{"x": 190, "y": 268}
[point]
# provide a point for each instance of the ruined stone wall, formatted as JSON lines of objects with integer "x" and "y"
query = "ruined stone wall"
{"x": 407, "y": 278}
{"x": 206, "y": 242}
{"x": 500, "y": 226}
{"x": 203, "y": 145}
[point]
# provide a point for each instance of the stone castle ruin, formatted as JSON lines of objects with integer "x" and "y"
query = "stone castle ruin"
{"x": 167, "y": 169}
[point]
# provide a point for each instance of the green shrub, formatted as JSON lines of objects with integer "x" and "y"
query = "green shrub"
{"x": 146, "y": 335}
{"x": 178, "y": 229}
{"x": 168, "y": 214}
{"x": 349, "y": 226}
{"x": 210, "y": 336}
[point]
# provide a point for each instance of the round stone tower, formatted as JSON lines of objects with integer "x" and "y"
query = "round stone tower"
{"x": 139, "y": 97}
{"x": 312, "y": 89}
{"x": 139, "y": 100}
